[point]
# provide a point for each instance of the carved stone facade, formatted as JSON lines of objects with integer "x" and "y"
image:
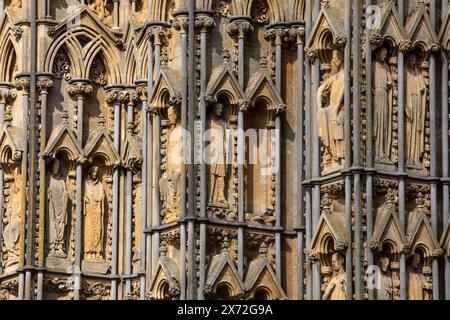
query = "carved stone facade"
{"x": 262, "y": 150}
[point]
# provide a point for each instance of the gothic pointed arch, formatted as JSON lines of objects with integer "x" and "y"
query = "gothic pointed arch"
{"x": 63, "y": 139}
{"x": 99, "y": 144}
{"x": 419, "y": 30}
{"x": 223, "y": 273}
{"x": 10, "y": 145}
{"x": 262, "y": 88}
{"x": 9, "y": 59}
{"x": 223, "y": 82}
{"x": 422, "y": 236}
{"x": 166, "y": 92}
{"x": 327, "y": 33}
{"x": 261, "y": 281}
{"x": 84, "y": 43}
{"x": 387, "y": 229}
{"x": 166, "y": 282}
{"x": 330, "y": 235}
{"x": 388, "y": 27}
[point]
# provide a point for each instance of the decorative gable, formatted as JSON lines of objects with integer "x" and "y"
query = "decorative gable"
{"x": 420, "y": 31}
{"x": 100, "y": 144}
{"x": 388, "y": 27}
{"x": 63, "y": 139}
{"x": 260, "y": 276}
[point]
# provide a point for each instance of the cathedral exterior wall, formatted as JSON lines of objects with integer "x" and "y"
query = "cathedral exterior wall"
{"x": 291, "y": 149}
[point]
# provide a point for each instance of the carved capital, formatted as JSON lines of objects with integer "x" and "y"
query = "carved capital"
{"x": 116, "y": 96}
{"x": 180, "y": 23}
{"x": 374, "y": 245}
{"x": 130, "y": 96}
{"x": 438, "y": 252}
{"x": 277, "y": 35}
{"x": 7, "y": 95}
{"x": 279, "y": 108}
{"x": 44, "y": 83}
{"x": 239, "y": 28}
{"x": 159, "y": 34}
{"x": 204, "y": 22}
{"x": 297, "y": 34}
{"x": 340, "y": 41}
{"x": 311, "y": 54}
{"x": 244, "y": 104}
{"x": 18, "y": 32}
{"x": 80, "y": 89}
{"x": 23, "y": 84}
{"x": 405, "y": 46}
{"x": 405, "y": 248}
{"x": 142, "y": 93}
{"x": 376, "y": 40}
{"x": 435, "y": 47}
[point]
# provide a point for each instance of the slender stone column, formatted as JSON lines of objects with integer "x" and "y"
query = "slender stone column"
{"x": 131, "y": 99}
{"x": 133, "y": 6}
{"x": 79, "y": 89}
{"x": 181, "y": 24}
{"x": 369, "y": 147}
{"x": 237, "y": 28}
{"x": 356, "y": 52}
{"x": 299, "y": 33}
{"x": 115, "y": 98}
{"x": 308, "y": 161}
{"x": 148, "y": 150}
{"x": 44, "y": 83}
{"x": 142, "y": 92}
{"x": 445, "y": 152}
{"x": 23, "y": 84}
{"x": 403, "y": 47}
{"x": 203, "y": 22}
{"x": 116, "y": 15}
{"x": 433, "y": 148}
{"x": 276, "y": 36}
{"x": 48, "y": 14}
{"x": 348, "y": 146}
{"x": 7, "y": 95}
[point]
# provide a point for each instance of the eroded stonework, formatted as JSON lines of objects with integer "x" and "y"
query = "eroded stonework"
{"x": 281, "y": 151}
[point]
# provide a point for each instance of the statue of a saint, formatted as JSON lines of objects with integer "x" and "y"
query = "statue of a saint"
{"x": 217, "y": 160}
{"x": 11, "y": 231}
{"x": 385, "y": 289}
{"x": 336, "y": 286}
{"x": 331, "y": 115}
{"x": 382, "y": 106}
{"x": 94, "y": 212}
{"x": 415, "y": 104}
{"x": 58, "y": 200}
{"x": 170, "y": 180}
{"x": 417, "y": 283}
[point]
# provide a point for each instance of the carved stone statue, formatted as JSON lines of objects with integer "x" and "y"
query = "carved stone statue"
{"x": 336, "y": 286}
{"x": 11, "y": 232}
{"x": 330, "y": 102}
{"x": 217, "y": 161}
{"x": 382, "y": 106}
{"x": 100, "y": 9}
{"x": 385, "y": 289}
{"x": 94, "y": 212}
{"x": 417, "y": 283}
{"x": 58, "y": 200}
{"x": 170, "y": 180}
{"x": 415, "y": 104}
